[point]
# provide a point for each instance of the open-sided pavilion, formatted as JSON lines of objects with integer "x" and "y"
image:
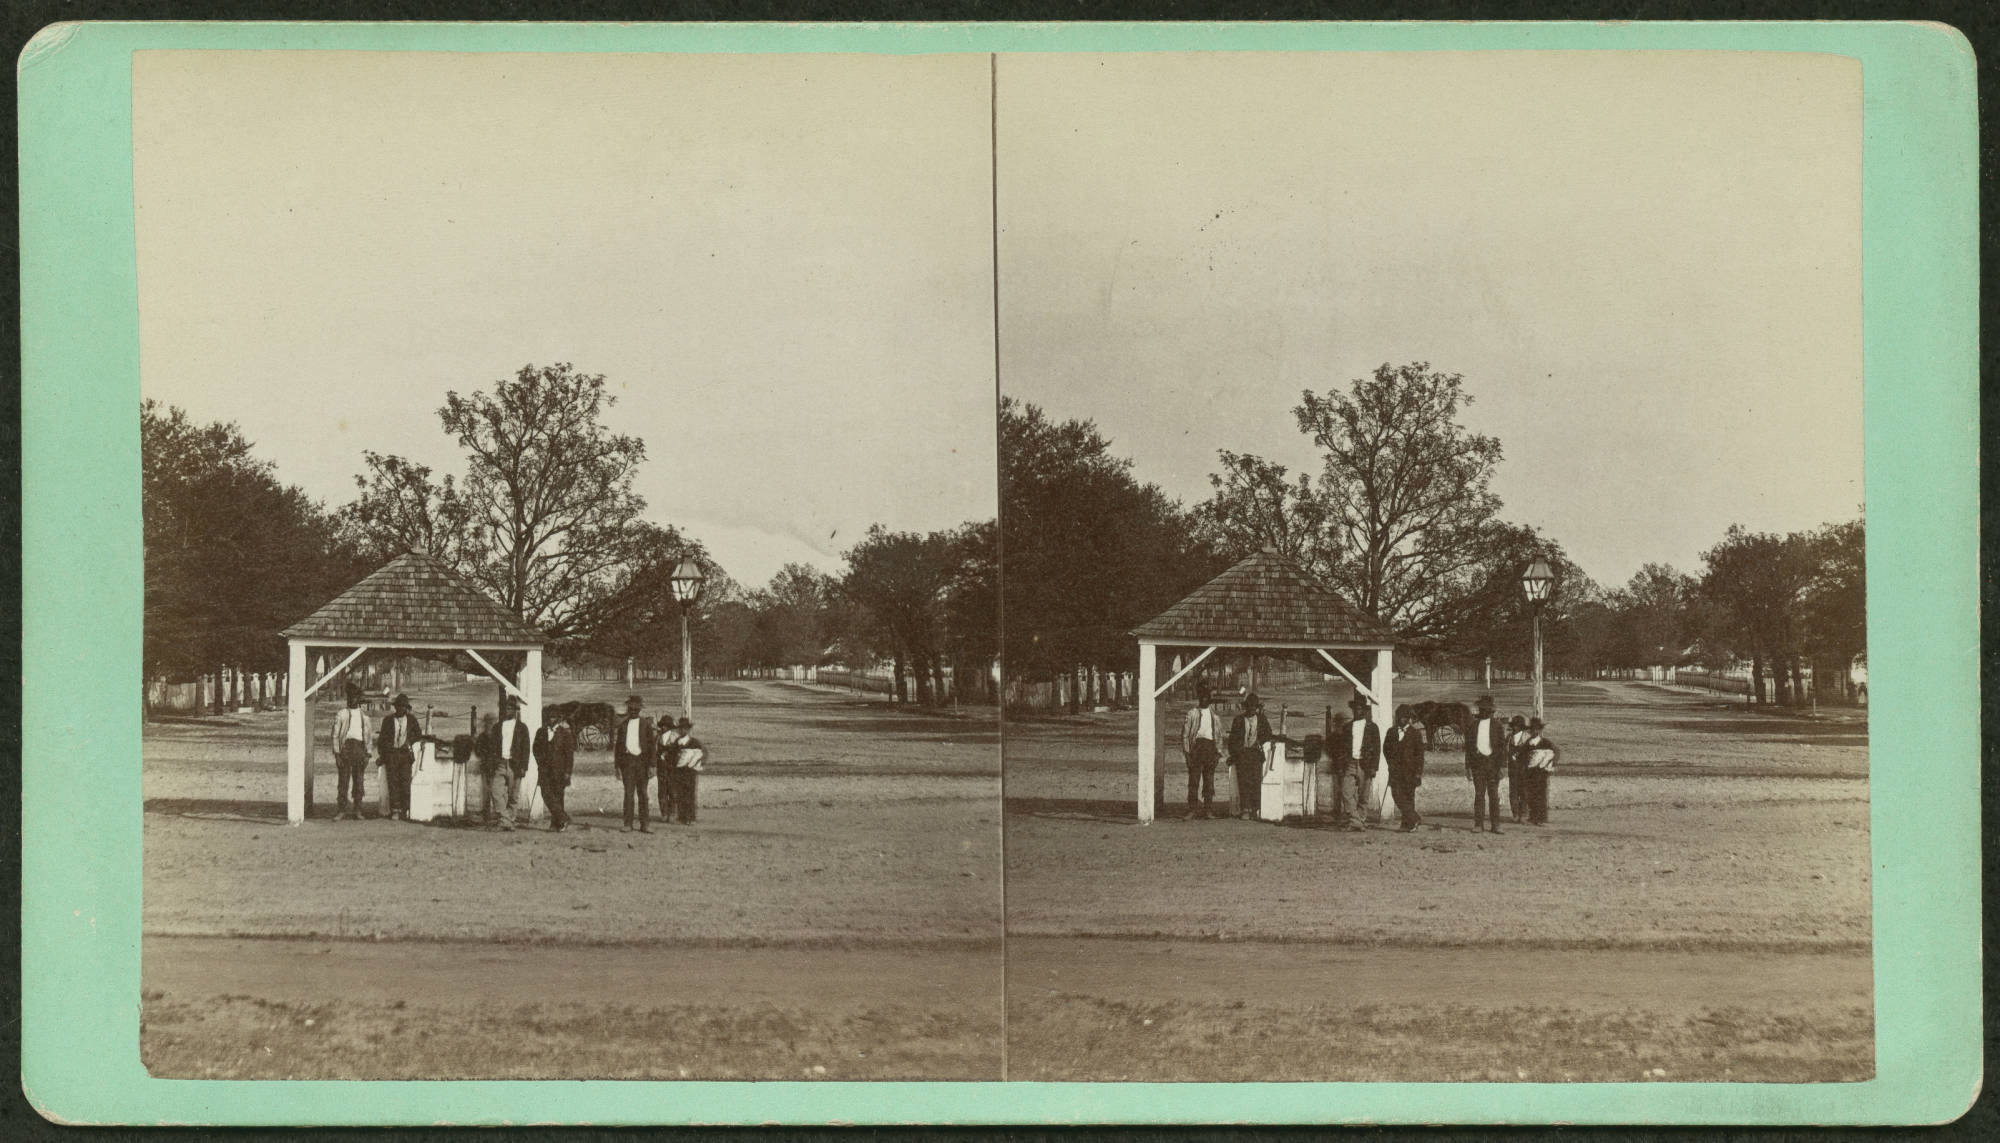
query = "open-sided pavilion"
{"x": 413, "y": 603}
{"x": 1265, "y": 603}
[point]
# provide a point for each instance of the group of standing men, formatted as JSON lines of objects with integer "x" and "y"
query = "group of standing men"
{"x": 395, "y": 749}
{"x": 502, "y": 749}
{"x": 1355, "y": 749}
{"x": 640, "y": 748}
{"x": 1519, "y": 751}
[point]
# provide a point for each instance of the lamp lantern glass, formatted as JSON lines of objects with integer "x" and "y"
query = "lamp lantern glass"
{"x": 1538, "y": 581}
{"x": 687, "y": 582}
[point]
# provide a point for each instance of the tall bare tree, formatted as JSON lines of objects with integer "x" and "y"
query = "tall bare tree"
{"x": 552, "y": 486}
{"x": 1407, "y": 492}
{"x": 1400, "y": 518}
{"x": 545, "y": 518}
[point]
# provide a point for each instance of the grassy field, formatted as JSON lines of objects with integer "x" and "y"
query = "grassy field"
{"x": 828, "y": 823}
{"x": 1678, "y": 824}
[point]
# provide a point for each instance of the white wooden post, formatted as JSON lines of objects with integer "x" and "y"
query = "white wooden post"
{"x": 295, "y": 736}
{"x": 531, "y": 714}
{"x": 1383, "y": 682}
{"x": 1149, "y": 731}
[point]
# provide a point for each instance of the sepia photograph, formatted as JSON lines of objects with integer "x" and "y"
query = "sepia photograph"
{"x": 1156, "y": 567}
{"x": 1432, "y": 531}
{"x": 968, "y": 574}
{"x": 571, "y": 564}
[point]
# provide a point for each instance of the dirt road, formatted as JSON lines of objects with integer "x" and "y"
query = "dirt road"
{"x": 1305, "y": 973}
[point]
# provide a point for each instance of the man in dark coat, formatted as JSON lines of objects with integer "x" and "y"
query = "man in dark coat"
{"x": 1517, "y": 769}
{"x": 395, "y": 744}
{"x": 503, "y": 758}
{"x": 633, "y": 748}
{"x": 666, "y": 752}
{"x": 1356, "y": 750}
{"x": 1485, "y": 755}
{"x": 1403, "y": 749}
{"x": 555, "y": 760}
{"x": 1248, "y": 732}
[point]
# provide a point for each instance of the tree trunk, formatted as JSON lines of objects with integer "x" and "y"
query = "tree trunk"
{"x": 1757, "y": 678}
{"x": 899, "y": 693}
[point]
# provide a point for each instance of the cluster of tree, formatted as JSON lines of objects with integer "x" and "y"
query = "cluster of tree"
{"x": 1091, "y": 552}
{"x": 924, "y": 603}
{"x": 1780, "y": 603}
{"x": 232, "y": 554}
{"x": 544, "y": 518}
{"x": 1401, "y": 521}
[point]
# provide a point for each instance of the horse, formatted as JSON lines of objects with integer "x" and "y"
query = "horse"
{"x": 1444, "y": 717}
{"x": 593, "y": 721}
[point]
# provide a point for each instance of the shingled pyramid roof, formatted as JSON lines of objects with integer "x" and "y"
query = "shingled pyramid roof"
{"x": 415, "y": 597}
{"x": 1267, "y": 600}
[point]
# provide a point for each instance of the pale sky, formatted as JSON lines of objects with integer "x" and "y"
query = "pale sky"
{"x": 1646, "y": 266}
{"x": 782, "y": 264}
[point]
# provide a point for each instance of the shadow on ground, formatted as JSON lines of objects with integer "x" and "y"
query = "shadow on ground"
{"x": 218, "y": 808}
{"x": 1091, "y": 809}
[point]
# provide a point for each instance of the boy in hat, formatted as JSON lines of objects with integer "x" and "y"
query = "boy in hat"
{"x": 1357, "y": 754}
{"x": 396, "y": 746}
{"x": 1540, "y": 757}
{"x": 1199, "y": 734}
{"x": 350, "y": 755}
{"x": 1485, "y": 748}
{"x": 1248, "y": 732}
{"x": 633, "y": 747}
{"x": 689, "y": 754}
{"x": 1517, "y": 769}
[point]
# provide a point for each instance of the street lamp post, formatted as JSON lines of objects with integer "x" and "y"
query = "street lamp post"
{"x": 687, "y": 582}
{"x": 1538, "y": 581}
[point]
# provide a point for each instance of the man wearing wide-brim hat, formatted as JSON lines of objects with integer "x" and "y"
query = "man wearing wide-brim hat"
{"x": 395, "y": 745}
{"x": 1485, "y": 752}
{"x": 1201, "y": 733}
{"x": 350, "y": 756}
{"x": 634, "y": 745}
{"x": 1248, "y": 732}
{"x": 1357, "y": 754}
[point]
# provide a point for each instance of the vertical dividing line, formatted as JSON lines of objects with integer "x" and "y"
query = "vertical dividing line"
{"x": 999, "y": 543}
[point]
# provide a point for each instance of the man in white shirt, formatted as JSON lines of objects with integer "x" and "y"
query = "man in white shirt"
{"x": 633, "y": 748}
{"x": 350, "y": 755}
{"x": 504, "y": 760}
{"x": 1355, "y": 749}
{"x": 1199, "y": 734}
{"x": 1485, "y": 754}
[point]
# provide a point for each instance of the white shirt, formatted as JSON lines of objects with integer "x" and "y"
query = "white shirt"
{"x": 402, "y": 728}
{"x": 632, "y": 735}
{"x": 353, "y": 723}
{"x": 1205, "y": 725}
{"x": 507, "y": 741}
{"x": 1486, "y": 736}
{"x": 1359, "y": 728}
